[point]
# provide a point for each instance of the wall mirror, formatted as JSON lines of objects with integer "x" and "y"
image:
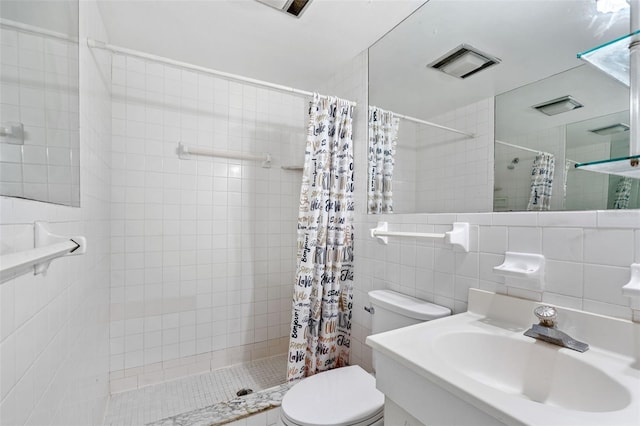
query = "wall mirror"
{"x": 595, "y": 131}
{"x": 437, "y": 170}
{"x": 39, "y": 120}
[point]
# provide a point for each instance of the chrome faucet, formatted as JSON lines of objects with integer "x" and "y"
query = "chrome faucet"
{"x": 546, "y": 330}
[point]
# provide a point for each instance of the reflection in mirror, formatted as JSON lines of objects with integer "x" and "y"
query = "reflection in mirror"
{"x": 39, "y": 122}
{"x": 439, "y": 171}
{"x": 431, "y": 167}
{"x": 522, "y": 132}
{"x": 592, "y": 140}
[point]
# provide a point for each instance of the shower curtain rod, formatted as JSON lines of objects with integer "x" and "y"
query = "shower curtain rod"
{"x": 19, "y": 26}
{"x": 116, "y": 49}
{"x": 517, "y": 146}
{"x": 428, "y": 123}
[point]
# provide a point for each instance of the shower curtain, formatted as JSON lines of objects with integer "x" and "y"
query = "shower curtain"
{"x": 623, "y": 193}
{"x": 383, "y": 138}
{"x": 323, "y": 290}
{"x": 541, "y": 181}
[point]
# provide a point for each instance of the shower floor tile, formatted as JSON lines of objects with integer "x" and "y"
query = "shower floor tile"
{"x": 152, "y": 403}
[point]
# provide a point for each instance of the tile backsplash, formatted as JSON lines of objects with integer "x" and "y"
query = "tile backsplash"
{"x": 588, "y": 255}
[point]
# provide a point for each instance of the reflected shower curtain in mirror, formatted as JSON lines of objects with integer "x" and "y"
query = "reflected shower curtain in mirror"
{"x": 383, "y": 138}
{"x": 323, "y": 290}
{"x": 623, "y": 193}
{"x": 541, "y": 181}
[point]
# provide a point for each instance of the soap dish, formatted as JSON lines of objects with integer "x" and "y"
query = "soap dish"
{"x": 525, "y": 266}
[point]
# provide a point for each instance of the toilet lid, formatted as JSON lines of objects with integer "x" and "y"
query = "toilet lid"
{"x": 338, "y": 397}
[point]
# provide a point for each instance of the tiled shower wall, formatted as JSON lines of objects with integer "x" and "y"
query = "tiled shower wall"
{"x": 54, "y": 328}
{"x": 39, "y": 90}
{"x": 404, "y": 169}
{"x": 454, "y": 172}
{"x": 203, "y": 249}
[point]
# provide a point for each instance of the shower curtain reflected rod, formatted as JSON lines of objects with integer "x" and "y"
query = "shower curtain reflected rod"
{"x": 428, "y": 123}
{"x": 517, "y": 146}
{"x": 185, "y": 65}
{"x": 26, "y": 28}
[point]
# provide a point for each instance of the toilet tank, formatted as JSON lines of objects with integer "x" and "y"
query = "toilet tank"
{"x": 395, "y": 310}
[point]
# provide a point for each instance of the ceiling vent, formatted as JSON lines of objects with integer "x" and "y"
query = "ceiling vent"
{"x": 611, "y": 130}
{"x": 290, "y": 7}
{"x": 463, "y": 61}
{"x": 558, "y": 106}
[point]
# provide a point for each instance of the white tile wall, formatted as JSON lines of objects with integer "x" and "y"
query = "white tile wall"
{"x": 454, "y": 172}
{"x": 39, "y": 89}
{"x": 203, "y": 250}
{"x": 586, "y": 265}
{"x": 54, "y": 327}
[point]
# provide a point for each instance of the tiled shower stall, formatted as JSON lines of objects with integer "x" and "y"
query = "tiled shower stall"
{"x": 202, "y": 249}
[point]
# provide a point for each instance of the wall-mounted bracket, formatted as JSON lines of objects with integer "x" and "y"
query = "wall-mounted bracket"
{"x": 632, "y": 288}
{"x": 44, "y": 238}
{"x": 459, "y": 235}
{"x": 47, "y": 247}
{"x": 12, "y": 133}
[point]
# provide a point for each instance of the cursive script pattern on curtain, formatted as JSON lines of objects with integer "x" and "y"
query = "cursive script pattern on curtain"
{"x": 541, "y": 182}
{"x": 323, "y": 290}
{"x": 383, "y": 138}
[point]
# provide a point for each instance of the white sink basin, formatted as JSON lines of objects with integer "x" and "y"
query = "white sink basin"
{"x": 533, "y": 370}
{"x": 480, "y": 360}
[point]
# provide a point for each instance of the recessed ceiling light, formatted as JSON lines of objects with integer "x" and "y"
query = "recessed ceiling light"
{"x": 610, "y": 130}
{"x": 558, "y": 106}
{"x": 463, "y": 61}
{"x": 291, "y": 7}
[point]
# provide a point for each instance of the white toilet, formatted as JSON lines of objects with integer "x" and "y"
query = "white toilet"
{"x": 348, "y": 396}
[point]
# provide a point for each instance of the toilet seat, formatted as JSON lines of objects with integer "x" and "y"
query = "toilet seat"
{"x": 344, "y": 396}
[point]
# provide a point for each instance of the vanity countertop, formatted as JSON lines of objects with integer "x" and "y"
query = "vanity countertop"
{"x": 482, "y": 357}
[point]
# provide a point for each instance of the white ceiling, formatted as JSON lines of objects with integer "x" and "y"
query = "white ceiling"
{"x": 251, "y": 39}
{"x": 533, "y": 38}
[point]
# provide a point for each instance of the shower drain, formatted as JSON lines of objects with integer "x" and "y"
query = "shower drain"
{"x": 244, "y": 391}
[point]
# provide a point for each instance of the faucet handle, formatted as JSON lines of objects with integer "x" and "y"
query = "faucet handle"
{"x": 546, "y": 314}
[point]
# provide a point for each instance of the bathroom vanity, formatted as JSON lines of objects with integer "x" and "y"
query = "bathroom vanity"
{"x": 478, "y": 368}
